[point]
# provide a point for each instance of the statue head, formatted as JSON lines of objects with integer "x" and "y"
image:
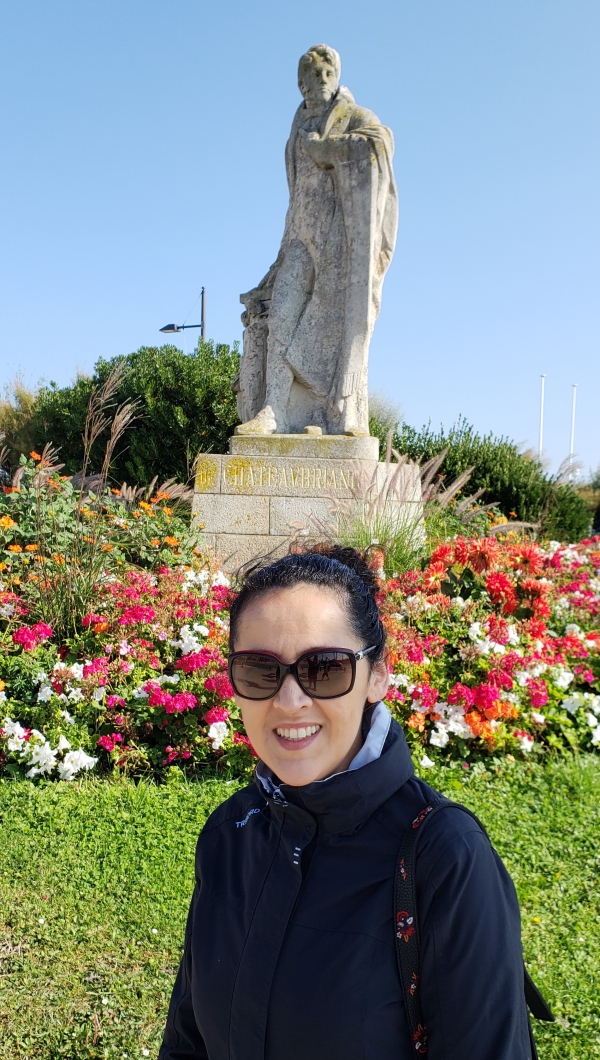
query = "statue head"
{"x": 319, "y": 72}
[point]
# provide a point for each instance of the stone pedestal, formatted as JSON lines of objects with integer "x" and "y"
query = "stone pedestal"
{"x": 252, "y": 501}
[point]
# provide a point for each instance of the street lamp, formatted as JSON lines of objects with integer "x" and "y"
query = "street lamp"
{"x": 169, "y": 329}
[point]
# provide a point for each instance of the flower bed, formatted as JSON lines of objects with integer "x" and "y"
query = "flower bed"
{"x": 494, "y": 649}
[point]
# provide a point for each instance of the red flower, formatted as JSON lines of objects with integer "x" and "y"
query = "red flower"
{"x": 483, "y": 553}
{"x": 219, "y": 684}
{"x": 30, "y": 636}
{"x": 216, "y": 714}
{"x": 426, "y": 694}
{"x": 502, "y": 591}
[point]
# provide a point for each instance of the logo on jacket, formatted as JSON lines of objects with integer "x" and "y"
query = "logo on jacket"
{"x": 240, "y": 824}
{"x": 404, "y": 925}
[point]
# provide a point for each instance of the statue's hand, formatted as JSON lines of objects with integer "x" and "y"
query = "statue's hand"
{"x": 316, "y": 148}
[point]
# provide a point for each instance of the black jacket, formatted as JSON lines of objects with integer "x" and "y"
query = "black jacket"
{"x": 289, "y": 950}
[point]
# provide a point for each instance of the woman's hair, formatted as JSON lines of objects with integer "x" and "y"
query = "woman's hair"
{"x": 343, "y": 570}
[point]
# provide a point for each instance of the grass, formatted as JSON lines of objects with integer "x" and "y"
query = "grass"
{"x": 95, "y": 880}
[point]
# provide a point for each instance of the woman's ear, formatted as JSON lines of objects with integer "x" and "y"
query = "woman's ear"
{"x": 379, "y": 681}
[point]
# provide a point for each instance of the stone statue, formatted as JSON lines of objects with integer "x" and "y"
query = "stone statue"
{"x": 308, "y": 323}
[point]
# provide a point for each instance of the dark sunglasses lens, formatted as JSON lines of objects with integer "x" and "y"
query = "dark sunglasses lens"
{"x": 326, "y": 674}
{"x": 254, "y": 676}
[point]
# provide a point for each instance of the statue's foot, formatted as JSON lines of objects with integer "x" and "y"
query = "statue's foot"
{"x": 264, "y": 423}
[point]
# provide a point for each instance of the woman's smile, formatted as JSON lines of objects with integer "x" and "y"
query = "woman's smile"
{"x": 296, "y": 738}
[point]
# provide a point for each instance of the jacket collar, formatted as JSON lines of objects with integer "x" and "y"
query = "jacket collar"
{"x": 343, "y": 802}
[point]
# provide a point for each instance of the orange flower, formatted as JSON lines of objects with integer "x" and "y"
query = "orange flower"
{"x": 2, "y": 685}
{"x": 100, "y": 627}
{"x": 6, "y": 522}
{"x": 168, "y": 511}
{"x": 15, "y": 548}
{"x": 155, "y": 541}
{"x": 2, "y": 566}
{"x": 147, "y": 507}
{"x": 137, "y": 515}
{"x": 107, "y": 548}
{"x": 172, "y": 541}
{"x": 417, "y": 721}
{"x": 86, "y": 538}
{"x": 31, "y": 548}
{"x": 34, "y": 455}
{"x": 10, "y": 489}
{"x": 60, "y": 560}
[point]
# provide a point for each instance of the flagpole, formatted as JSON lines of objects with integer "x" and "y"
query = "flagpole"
{"x": 573, "y": 406}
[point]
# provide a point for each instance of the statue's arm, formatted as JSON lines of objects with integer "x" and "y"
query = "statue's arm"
{"x": 353, "y": 144}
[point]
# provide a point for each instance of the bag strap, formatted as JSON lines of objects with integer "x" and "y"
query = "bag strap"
{"x": 406, "y": 929}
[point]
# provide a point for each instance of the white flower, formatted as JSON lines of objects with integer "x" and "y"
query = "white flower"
{"x": 41, "y": 920}
{"x": 75, "y": 695}
{"x": 45, "y": 693}
{"x": 68, "y": 718}
{"x": 457, "y": 601}
{"x": 218, "y": 733}
{"x": 573, "y": 628}
{"x": 426, "y": 762}
{"x": 145, "y": 1052}
{"x": 513, "y": 635}
{"x": 399, "y": 680}
{"x": 138, "y": 693}
{"x": 77, "y": 671}
{"x": 41, "y": 757}
{"x": 221, "y": 579}
{"x": 124, "y": 647}
{"x": 166, "y": 679}
{"x": 104, "y": 1001}
{"x": 187, "y": 643}
{"x": 40, "y": 677}
{"x": 63, "y": 744}
{"x": 562, "y": 678}
{"x": 526, "y": 742}
{"x": 591, "y": 719}
{"x": 439, "y": 736}
{"x": 7, "y": 610}
{"x": 99, "y": 693}
{"x": 73, "y": 762}
{"x": 596, "y": 737}
{"x": 2, "y": 696}
{"x": 475, "y": 631}
{"x": 15, "y": 733}
{"x": 539, "y": 719}
{"x": 573, "y": 702}
{"x": 521, "y": 677}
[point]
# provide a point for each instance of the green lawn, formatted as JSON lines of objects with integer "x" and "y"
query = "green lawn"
{"x": 95, "y": 880}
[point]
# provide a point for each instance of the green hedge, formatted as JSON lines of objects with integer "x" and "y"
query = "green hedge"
{"x": 514, "y": 480}
{"x": 186, "y": 405}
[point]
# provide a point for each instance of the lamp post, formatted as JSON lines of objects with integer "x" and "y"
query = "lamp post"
{"x": 169, "y": 329}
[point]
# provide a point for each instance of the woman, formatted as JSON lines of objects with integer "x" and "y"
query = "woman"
{"x": 290, "y": 945}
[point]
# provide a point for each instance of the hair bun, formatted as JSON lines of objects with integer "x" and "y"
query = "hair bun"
{"x": 352, "y": 558}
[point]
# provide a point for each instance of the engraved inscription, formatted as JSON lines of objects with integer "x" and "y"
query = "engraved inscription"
{"x": 241, "y": 474}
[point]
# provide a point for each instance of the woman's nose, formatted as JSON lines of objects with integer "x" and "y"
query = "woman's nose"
{"x": 290, "y": 696}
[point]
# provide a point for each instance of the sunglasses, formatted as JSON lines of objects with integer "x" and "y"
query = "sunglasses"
{"x": 325, "y": 674}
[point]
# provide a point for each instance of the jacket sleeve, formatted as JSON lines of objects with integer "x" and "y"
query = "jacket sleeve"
{"x": 182, "y": 1039}
{"x": 471, "y": 955}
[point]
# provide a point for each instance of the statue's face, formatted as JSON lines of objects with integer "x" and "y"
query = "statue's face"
{"x": 319, "y": 81}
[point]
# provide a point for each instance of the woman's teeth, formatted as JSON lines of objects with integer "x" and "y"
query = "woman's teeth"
{"x": 298, "y": 734}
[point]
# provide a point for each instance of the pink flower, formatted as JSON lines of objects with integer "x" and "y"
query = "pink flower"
{"x": 219, "y": 684}
{"x": 216, "y": 714}
{"x": 538, "y": 691}
{"x": 30, "y": 636}
{"x": 115, "y": 701}
{"x": 461, "y": 694}
{"x": 108, "y": 743}
{"x": 132, "y": 615}
{"x": 427, "y": 695}
{"x": 198, "y": 660}
{"x": 91, "y": 619}
{"x": 184, "y": 701}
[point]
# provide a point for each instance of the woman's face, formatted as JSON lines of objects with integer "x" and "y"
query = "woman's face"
{"x": 287, "y": 623}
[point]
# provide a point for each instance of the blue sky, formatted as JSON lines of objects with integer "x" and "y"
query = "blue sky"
{"x": 143, "y": 157}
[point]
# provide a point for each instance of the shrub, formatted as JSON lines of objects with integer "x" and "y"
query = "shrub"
{"x": 514, "y": 480}
{"x": 185, "y": 405}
